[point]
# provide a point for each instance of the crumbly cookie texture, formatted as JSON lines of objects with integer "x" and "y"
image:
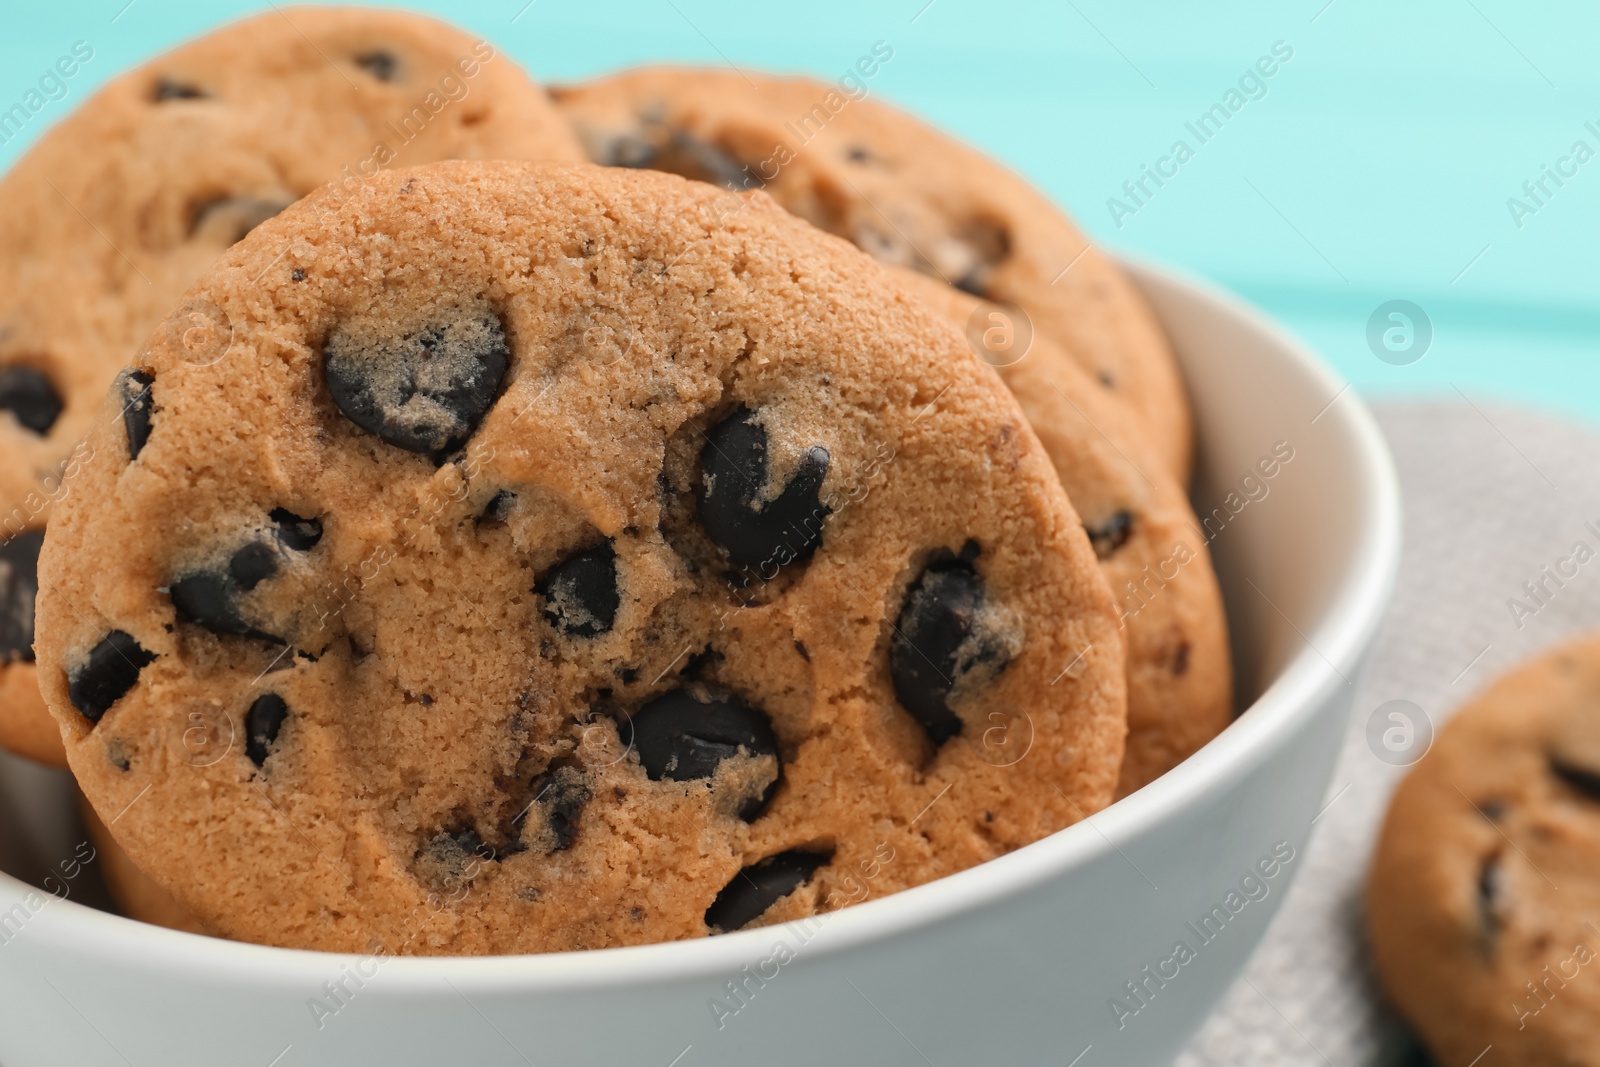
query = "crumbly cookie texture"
{"x": 563, "y": 557}
{"x": 1484, "y": 897}
{"x": 135, "y": 893}
{"x": 908, "y": 195}
{"x": 118, "y": 209}
{"x": 1148, "y": 541}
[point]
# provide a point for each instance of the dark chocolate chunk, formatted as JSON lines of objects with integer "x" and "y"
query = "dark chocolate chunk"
{"x": 972, "y": 283}
{"x": 211, "y": 598}
{"x": 629, "y": 150}
{"x": 681, "y": 737}
{"x": 1111, "y": 534}
{"x": 19, "y": 586}
{"x": 937, "y": 641}
{"x": 498, "y": 509}
{"x": 1180, "y": 660}
{"x": 580, "y": 592}
{"x": 561, "y": 793}
{"x": 28, "y": 395}
{"x": 295, "y": 533}
{"x": 138, "y": 406}
{"x": 110, "y": 670}
{"x": 378, "y": 63}
{"x": 425, "y": 390}
{"x": 297, "y": 275}
{"x": 691, "y": 157}
{"x": 761, "y": 885}
{"x": 1491, "y": 887}
{"x": 1584, "y": 779}
{"x": 262, "y": 722}
{"x": 452, "y": 855}
{"x": 735, "y": 473}
{"x": 252, "y": 565}
{"x": 167, "y": 89}
{"x": 225, "y": 220}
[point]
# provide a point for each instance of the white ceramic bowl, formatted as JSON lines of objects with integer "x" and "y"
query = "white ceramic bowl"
{"x": 1064, "y": 953}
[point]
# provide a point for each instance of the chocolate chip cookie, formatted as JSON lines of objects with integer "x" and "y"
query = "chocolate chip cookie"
{"x": 907, "y": 194}
{"x": 554, "y": 561}
{"x": 117, "y": 210}
{"x": 1484, "y": 902}
{"x": 1180, "y": 676}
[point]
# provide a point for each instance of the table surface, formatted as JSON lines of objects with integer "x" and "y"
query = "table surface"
{"x": 1378, "y": 162}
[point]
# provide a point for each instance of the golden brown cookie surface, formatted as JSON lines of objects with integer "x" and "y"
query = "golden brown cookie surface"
{"x": 117, "y": 210}
{"x": 1484, "y": 897}
{"x": 1180, "y": 676}
{"x": 135, "y": 893}
{"x": 567, "y": 557}
{"x": 908, "y": 195}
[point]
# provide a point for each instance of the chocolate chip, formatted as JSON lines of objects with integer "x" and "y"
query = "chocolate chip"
{"x": 1111, "y": 534}
{"x": 1583, "y": 779}
{"x": 498, "y": 509}
{"x": 938, "y": 640}
{"x": 379, "y": 64}
{"x": 972, "y": 283}
{"x": 262, "y": 722}
{"x": 225, "y": 220}
{"x": 28, "y": 395}
{"x": 19, "y": 586}
{"x": 735, "y": 474}
{"x": 580, "y": 592}
{"x": 691, "y": 157}
{"x": 683, "y": 738}
{"x": 1491, "y": 889}
{"x": 295, "y": 533}
{"x": 111, "y": 669}
{"x": 1180, "y": 660}
{"x": 210, "y": 598}
{"x": 628, "y": 150}
{"x": 138, "y": 406}
{"x": 166, "y": 90}
{"x": 561, "y": 794}
{"x": 451, "y": 855}
{"x": 297, "y": 275}
{"x": 425, "y": 390}
{"x": 857, "y": 154}
{"x": 252, "y": 565}
{"x": 761, "y": 885}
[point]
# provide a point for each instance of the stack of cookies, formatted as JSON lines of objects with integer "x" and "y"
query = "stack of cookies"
{"x": 569, "y": 527}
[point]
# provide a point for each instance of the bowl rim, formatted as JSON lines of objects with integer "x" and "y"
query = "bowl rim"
{"x": 1328, "y": 655}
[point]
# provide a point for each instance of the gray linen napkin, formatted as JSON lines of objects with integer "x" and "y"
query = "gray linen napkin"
{"x": 1492, "y": 495}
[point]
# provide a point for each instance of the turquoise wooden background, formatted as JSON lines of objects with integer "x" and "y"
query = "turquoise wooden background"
{"x": 1375, "y": 164}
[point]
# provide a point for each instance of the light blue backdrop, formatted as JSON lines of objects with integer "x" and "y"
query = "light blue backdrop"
{"x": 1375, "y": 164}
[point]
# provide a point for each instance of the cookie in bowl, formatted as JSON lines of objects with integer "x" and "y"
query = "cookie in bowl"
{"x": 119, "y": 208}
{"x": 908, "y": 195}
{"x": 1145, "y": 535}
{"x": 556, "y": 562}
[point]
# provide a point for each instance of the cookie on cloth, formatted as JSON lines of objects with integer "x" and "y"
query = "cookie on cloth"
{"x": 1483, "y": 905}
